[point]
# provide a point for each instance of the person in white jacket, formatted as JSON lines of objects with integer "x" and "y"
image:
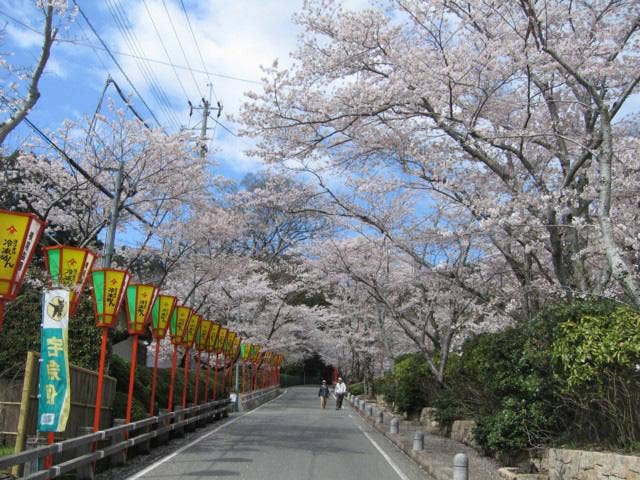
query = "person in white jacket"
{"x": 340, "y": 391}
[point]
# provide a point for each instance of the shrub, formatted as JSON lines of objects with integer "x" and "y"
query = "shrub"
{"x": 356, "y": 388}
{"x": 596, "y": 359}
{"x": 408, "y": 386}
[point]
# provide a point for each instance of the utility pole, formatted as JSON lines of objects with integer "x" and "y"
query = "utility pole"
{"x": 115, "y": 211}
{"x": 206, "y": 111}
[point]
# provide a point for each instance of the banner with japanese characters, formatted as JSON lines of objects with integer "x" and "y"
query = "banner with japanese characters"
{"x": 55, "y": 393}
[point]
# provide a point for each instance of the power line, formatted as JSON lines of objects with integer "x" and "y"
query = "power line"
{"x": 166, "y": 52}
{"x": 195, "y": 41}
{"x": 116, "y": 62}
{"x": 81, "y": 170}
{"x": 175, "y": 32}
{"x": 130, "y": 37}
{"x": 94, "y": 47}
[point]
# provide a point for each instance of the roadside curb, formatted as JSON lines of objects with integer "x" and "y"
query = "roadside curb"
{"x": 438, "y": 453}
{"x": 404, "y": 444}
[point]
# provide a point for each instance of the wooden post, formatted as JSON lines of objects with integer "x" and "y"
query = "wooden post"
{"x": 21, "y": 439}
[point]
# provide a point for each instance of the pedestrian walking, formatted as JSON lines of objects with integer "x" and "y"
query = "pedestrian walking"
{"x": 323, "y": 394}
{"x": 340, "y": 391}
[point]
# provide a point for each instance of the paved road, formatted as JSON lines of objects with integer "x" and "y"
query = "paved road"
{"x": 289, "y": 438}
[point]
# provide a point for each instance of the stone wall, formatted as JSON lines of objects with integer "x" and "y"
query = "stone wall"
{"x": 462, "y": 431}
{"x": 581, "y": 465}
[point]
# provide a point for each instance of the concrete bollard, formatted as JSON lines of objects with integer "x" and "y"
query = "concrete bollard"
{"x": 370, "y": 411}
{"x": 120, "y": 457}
{"x": 394, "y": 425}
{"x": 363, "y": 405}
{"x": 86, "y": 472}
{"x": 460, "y": 467}
{"x": 380, "y": 420}
{"x": 418, "y": 441}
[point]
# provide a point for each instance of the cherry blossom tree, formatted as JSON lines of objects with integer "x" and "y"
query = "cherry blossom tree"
{"x": 19, "y": 92}
{"x": 513, "y": 113}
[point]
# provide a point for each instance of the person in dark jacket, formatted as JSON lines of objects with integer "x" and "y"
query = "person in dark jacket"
{"x": 323, "y": 394}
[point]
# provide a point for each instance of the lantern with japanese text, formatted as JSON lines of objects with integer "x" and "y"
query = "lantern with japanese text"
{"x": 69, "y": 267}
{"x": 19, "y": 235}
{"x": 202, "y": 337}
{"x": 218, "y": 347}
{"x": 139, "y": 301}
{"x": 179, "y": 323}
{"x": 109, "y": 286}
{"x": 161, "y": 313}
{"x": 177, "y": 330}
{"x": 228, "y": 362}
{"x": 187, "y": 342}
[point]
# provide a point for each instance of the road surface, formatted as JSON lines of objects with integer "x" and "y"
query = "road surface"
{"x": 289, "y": 438}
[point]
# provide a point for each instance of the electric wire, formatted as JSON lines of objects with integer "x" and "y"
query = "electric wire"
{"x": 81, "y": 170}
{"x": 166, "y": 52}
{"x": 130, "y": 37}
{"x": 195, "y": 41}
{"x": 113, "y": 58}
{"x": 175, "y": 32}
{"x": 94, "y": 47}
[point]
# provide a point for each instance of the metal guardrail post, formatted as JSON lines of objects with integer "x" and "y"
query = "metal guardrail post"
{"x": 86, "y": 472}
{"x": 163, "y": 422}
{"x": 394, "y": 425}
{"x": 179, "y": 416}
{"x": 418, "y": 441}
{"x": 460, "y": 467}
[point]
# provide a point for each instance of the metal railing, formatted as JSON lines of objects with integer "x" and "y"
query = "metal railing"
{"x": 86, "y": 450}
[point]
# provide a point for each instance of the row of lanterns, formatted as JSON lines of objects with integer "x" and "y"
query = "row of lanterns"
{"x": 145, "y": 305}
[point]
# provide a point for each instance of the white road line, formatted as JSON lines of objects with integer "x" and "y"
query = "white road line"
{"x": 155, "y": 465}
{"x": 384, "y": 455}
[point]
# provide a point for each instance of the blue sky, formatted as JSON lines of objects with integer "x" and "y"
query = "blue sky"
{"x": 234, "y": 38}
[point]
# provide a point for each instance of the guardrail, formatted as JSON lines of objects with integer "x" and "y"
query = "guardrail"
{"x": 250, "y": 400}
{"x": 85, "y": 449}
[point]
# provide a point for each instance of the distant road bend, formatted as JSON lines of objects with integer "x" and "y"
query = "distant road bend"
{"x": 289, "y": 438}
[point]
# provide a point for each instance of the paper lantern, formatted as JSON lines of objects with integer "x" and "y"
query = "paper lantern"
{"x": 179, "y": 323}
{"x": 19, "y": 235}
{"x": 69, "y": 267}
{"x": 109, "y": 286}
{"x": 161, "y": 313}
{"x": 139, "y": 301}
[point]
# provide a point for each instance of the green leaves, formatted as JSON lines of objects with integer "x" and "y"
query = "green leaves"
{"x": 595, "y": 344}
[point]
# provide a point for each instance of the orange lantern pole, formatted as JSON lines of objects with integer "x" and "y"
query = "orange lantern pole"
{"x": 179, "y": 322}
{"x": 108, "y": 293}
{"x": 19, "y": 235}
{"x": 161, "y": 314}
{"x": 222, "y": 334}
{"x": 211, "y": 344}
{"x": 187, "y": 343}
{"x": 245, "y": 351}
{"x": 68, "y": 267}
{"x": 227, "y": 350}
{"x": 139, "y": 301}
{"x": 202, "y": 337}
